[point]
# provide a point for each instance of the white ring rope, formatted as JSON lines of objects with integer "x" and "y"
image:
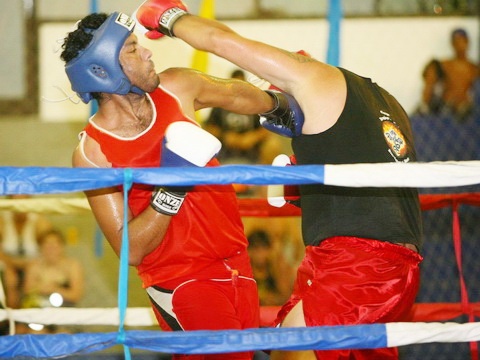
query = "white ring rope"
{"x": 136, "y": 316}
{"x": 398, "y": 334}
{"x": 429, "y": 175}
{"x": 47, "y": 205}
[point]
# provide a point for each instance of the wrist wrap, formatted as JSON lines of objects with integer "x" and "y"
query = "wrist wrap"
{"x": 167, "y": 202}
{"x": 168, "y": 19}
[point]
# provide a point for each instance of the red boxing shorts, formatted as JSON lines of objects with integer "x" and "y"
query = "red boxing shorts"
{"x": 348, "y": 281}
{"x": 208, "y": 305}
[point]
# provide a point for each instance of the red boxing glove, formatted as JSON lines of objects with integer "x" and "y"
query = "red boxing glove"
{"x": 279, "y": 195}
{"x": 158, "y": 16}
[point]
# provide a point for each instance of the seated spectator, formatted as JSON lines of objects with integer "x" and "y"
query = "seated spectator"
{"x": 19, "y": 232}
{"x": 53, "y": 278}
{"x": 9, "y": 282}
{"x": 448, "y": 84}
{"x": 273, "y": 274}
{"x": 18, "y": 244}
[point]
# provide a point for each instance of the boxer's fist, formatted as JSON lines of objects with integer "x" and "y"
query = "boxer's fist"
{"x": 187, "y": 144}
{"x": 158, "y": 16}
{"x": 286, "y": 118}
{"x": 184, "y": 144}
{"x": 279, "y": 195}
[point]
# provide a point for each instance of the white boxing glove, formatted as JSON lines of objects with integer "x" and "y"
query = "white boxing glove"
{"x": 280, "y": 195}
{"x": 184, "y": 144}
{"x": 187, "y": 144}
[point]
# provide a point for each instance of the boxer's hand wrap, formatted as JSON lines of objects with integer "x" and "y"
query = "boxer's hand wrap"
{"x": 168, "y": 19}
{"x": 286, "y": 118}
{"x": 280, "y": 195}
{"x": 159, "y": 16}
{"x": 167, "y": 202}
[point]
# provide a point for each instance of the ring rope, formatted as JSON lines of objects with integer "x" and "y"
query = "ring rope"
{"x": 144, "y": 316}
{"x": 247, "y": 206}
{"x": 210, "y": 342}
{"x": 38, "y": 180}
{"x": 15, "y": 180}
{"x": 123, "y": 272}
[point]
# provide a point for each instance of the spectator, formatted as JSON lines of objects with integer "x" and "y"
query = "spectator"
{"x": 18, "y": 245}
{"x": 9, "y": 289}
{"x": 19, "y": 232}
{"x": 9, "y": 282}
{"x": 272, "y": 272}
{"x": 448, "y": 84}
{"x": 53, "y": 278}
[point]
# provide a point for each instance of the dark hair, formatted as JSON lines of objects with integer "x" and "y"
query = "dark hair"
{"x": 79, "y": 39}
{"x": 47, "y": 233}
{"x": 238, "y": 74}
{"x": 259, "y": 238}
{"x": 460, "y": 32}
{"x": 437, "y": 66}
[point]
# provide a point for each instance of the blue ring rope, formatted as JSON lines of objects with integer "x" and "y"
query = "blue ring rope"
{"x": 55, "y": 180}
{"x": 199, "y": 342}
{"x": 123, "y": 272}
{"x": 335, "y": 15}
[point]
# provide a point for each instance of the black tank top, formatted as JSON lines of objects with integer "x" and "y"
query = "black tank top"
{"x": 373, "y": 128}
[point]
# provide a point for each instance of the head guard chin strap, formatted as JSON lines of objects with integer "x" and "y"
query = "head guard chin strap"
{"x": 97, "y": 68}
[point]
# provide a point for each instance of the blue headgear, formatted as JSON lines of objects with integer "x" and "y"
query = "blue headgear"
{"x": 97, "y": 68}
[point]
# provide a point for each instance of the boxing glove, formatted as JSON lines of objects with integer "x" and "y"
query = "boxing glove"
{"x": 279, "y": 195}
{"x": 286, "y": 118}
{"x": 187, "y": 144}
{"x": 158, "y": 16}
{"x": 184, "y": 144}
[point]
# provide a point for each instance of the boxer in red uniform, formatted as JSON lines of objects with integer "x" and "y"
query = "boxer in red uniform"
{"x": 361, "y": 262}
{"x": 188, "y": 245}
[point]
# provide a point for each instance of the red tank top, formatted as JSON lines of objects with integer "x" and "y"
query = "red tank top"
{"x": 208, "y": 228}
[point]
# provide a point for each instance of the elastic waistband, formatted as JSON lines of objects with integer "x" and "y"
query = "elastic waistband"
{"x": 384, "y": 248}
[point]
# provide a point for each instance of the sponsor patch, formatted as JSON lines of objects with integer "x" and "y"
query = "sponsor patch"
{"x": 394, "y": 138}
{"x": 125, "y": 21}
{"x": 166, "y": 202}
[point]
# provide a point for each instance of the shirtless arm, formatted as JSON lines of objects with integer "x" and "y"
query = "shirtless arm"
{"x": 319, "y": 88}
{"x": 197, "y": 90}
{"x": 145, "y": 231}
{"x": 278, "y": 66}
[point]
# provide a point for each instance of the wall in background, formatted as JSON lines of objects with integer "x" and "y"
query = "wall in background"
{"x": 392, "y": 51}
{"x": 12, "y": 69}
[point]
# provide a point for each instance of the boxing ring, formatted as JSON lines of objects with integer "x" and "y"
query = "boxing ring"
{"x": 425, "y": 327}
